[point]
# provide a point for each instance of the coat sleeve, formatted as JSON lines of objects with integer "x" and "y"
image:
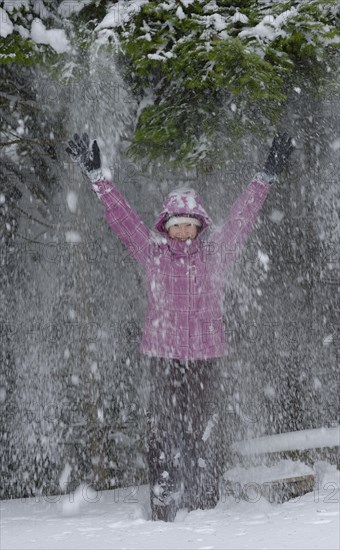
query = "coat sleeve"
{"x": 229, "y": 239}
{"x": 124, "y": 221}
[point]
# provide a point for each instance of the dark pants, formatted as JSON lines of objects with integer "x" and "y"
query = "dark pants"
{"x": 183, "y": 435}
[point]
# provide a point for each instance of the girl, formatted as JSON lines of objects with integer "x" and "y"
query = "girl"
{"x": 183, "y": 333}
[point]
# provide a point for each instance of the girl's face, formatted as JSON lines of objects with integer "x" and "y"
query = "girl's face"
{"x": 183, "y": 231}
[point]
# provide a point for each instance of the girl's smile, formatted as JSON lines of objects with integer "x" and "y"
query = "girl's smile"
{"x": 183, "y": 231}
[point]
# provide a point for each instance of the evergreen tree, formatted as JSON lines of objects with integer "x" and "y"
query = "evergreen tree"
{"x": 206, "y": 71}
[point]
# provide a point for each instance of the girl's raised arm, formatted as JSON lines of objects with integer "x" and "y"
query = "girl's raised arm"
{"x": 233, "y": 234}
{"x": 124, "y": 221}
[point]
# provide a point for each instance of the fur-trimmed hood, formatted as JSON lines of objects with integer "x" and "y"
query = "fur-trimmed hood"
{"x": 183, "y": 201}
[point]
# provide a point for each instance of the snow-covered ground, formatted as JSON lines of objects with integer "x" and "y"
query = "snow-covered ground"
{"x": 119, "y": 519}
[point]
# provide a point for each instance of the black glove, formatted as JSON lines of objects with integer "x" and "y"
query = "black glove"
{"x": 279, "y": 153}
{"x": 87, "y": 156}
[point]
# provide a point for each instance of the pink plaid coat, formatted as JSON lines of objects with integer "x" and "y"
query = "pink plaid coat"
{"x": 185, "y": 278}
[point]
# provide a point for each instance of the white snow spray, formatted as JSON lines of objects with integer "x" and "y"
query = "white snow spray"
{"x": 84, "y": 388}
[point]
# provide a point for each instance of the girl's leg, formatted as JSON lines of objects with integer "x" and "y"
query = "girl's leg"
{"x": 164, "y": 429}
{"x": 203, "y": 430}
